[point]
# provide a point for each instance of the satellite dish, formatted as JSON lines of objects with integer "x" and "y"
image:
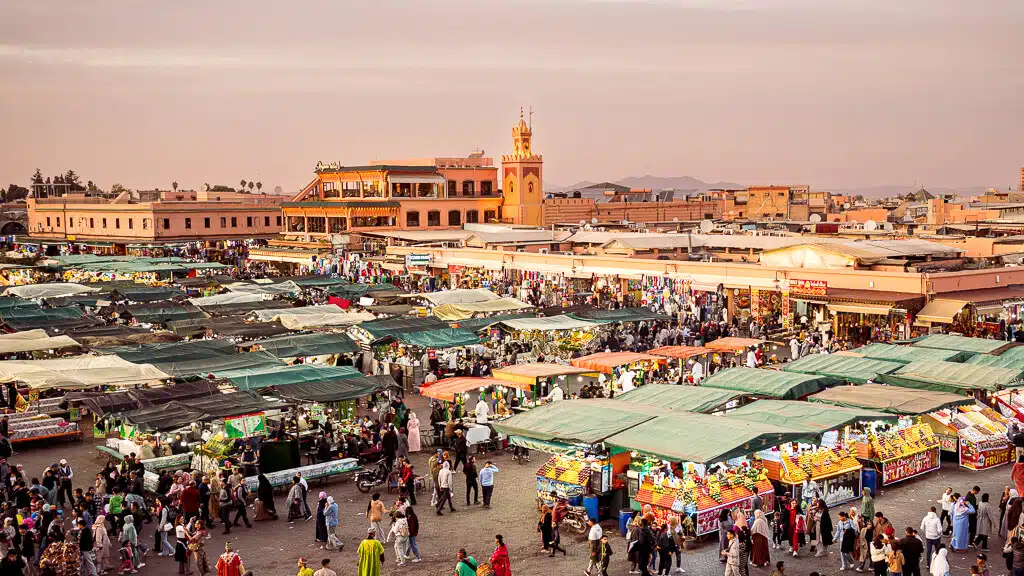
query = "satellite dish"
{"x": 870, "y": 225}
{"x": 846, "y": 206}
{"x": 583, "y": 222}
{"x": 887, "y": 226}
{"x": 593, "y": 220}
{"x": 278, "y": 190}
{"x": 815, "y": 218}
{"x": 676, "y": 219}
{"x": 706, "y": 226}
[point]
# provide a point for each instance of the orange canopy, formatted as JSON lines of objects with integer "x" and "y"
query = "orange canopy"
{"x": 606, "y": 361}
{"x": 681, "y": 352}
{"x": 447, "y": 389}
{"x": 733, "y": 344}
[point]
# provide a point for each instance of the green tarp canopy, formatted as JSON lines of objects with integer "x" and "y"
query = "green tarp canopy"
{"x": 1015, "y": 352}
{"x": 395, "y": 326}
{"x": 961, "y": 343}
{"x": 336, "y": 390}
{"x": 356, "y": 291}
{"x": 36, "y": 313}
{"x": 701, "y": 438}
{"x": 8, "y": 302}
{"x": 620, "y": 315}
{"x": 442, "y": 338}
{"x": 476, "y": 324}
{"x": 574, "y": 421}
{"x": 218, "y": 365}
{"x": 908, "y": 354}
{"x": 952, "y": 377}
{"x": 158, "y": 314}
{"x": 771, "y": 383}
{"x": 174, "y": 415}
{"x": 141, "y": 293}
{"x": 890, "y": 399}
{"x": 308, "y": 345}
{"x": 815, "y": 419}
{"x": 319, "y": 281}
{"x": 848, "y": 368}
{"x": 692, "y": 398}
{"x": 1001, "y": 361}
{"x": 256, "y": 378}
{"x": 164, "y": 352}
{"x": 244, "y": 308}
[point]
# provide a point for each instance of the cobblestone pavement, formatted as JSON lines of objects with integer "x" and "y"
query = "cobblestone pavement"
{"x": 274, "y": 547}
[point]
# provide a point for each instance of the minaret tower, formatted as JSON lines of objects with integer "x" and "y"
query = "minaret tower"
{"x": 522, "y": 177}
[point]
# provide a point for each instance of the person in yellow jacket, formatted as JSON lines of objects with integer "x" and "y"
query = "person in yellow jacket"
{"x": 304, "y": 570}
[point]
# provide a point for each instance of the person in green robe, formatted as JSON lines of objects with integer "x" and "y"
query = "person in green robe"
{"x": 370, "y": 554}
{"x": 467, "y": 564}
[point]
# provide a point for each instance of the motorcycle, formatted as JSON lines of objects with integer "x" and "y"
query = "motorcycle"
{"x": 367, "y": 480}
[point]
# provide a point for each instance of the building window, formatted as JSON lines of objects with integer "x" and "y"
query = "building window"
{"x": 167, "y": 223}
{"x": 412, "y": 219}
{"x": 433, "y": 218}
{"x": 350, "y": 190}
{"x": 336, "y": 225}
{"x": 91, "y": 223}
{"x": 472, "y": 216}
{"x": 223, "y": 222}
{"x": 486, "y": 188}
{"x": 234, "y": 222}
{"x": 426, "y": 190}
{"x": 454, "y": 218}
{"x": 188, "y": 223}
{"x": 453, "y": 188}
{"x": 279, "y": 221}
{"x": 488, "y": 215}
{"x": 206, "y": 222}
{"x": 58, "y": 222}
{"x": 104, "y": 222}
{"x": 117, "y": 223}
{"x": 248, "y": 221}
{"x": 468, "y": 188}
{"x": 317, "y": 224}
{"x": 131, "y": 223}
{"x": 401, "y": 190}
{"x": 266, "y": 221}
{"x": 47, "y": 221}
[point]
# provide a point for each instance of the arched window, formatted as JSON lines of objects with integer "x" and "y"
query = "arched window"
{"x": 433, "y": 218}
{"x": 454, "y": 218}
{"x": 472, "y": 216}
{"x": 412, "y": 219}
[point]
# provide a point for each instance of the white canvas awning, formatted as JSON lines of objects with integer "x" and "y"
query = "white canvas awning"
{"x": 287, "y": 287}
{"x": 461, "y": 296}
{"x": 417, "y": 180}
{"x": 52, "y": 290}
{"x": 463, "y": 311}
{"x": 941, "y": 310}
{"x": 229, "y": 298}
{"x": 860, "y": 309}
{"x": 33, "y": 341}
{"x": 79, "y": 372}
{"x": 307, "y": 321}
{"x": 563, "y": 322}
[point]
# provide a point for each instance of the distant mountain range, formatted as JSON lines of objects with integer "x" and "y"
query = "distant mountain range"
{"x": 691, "y": 183}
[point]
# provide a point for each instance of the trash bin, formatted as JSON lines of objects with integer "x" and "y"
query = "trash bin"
{"x": 625, "y": 517}
{"x": 575, "y": 501}
{"x": 869, "y": 479}
{"x": 590, "y": 503}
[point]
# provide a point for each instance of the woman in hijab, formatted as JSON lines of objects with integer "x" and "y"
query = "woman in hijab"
{"x": 321, "y": 518}
{"x": 824, "y": 529}
{"x": 1014, "y": 507}
{"x": 962, "y": 509}
{"x": 295, "y": 500}
{"x": 739, "y": 518}
{"x": 546, "y": 528}
{"x": 414, "y": 432}
{"x": 940, "y": 566}
{"x": 331, "y": 516}
{"x": 403, "y": 444}
{"x": 265, "y": 509}
{"x": 760, "y": 535}
{"x": 131, "y": 536}
{"x": 724, "y": 528}
{"x": 101, "y": 543}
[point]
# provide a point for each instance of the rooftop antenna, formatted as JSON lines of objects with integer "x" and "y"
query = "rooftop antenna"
{"x": 530, "y": 125}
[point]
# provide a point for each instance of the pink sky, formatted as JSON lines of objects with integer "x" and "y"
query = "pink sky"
{"x": 833, "y": 94}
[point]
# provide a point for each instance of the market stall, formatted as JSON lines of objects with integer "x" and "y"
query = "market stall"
{"x": 979, "y": 433}
{"x": 953, "y": 377}
{"x": 908, "y": 354}
{"x": 691, "y": 362}
{"x": 960, "y": 343}
{"x": 842, "y": 368}
{"x": 767, "y": 383}
{"x": 632, "y": 369}
{"x": 560, "y": 336}
{"x": 535, "y": 374}
{"x": 692, "y": 398}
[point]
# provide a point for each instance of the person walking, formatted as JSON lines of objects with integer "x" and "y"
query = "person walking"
{"x": 987, "y": 518}
{"x": 467, "y": 565}
{"x": 665, "y": 547}
{"x": 294, "y": 500}
{"x": 375, "y": 516}
{"x": 594, "y": 535}
{"x": 265, "y": 508}
{"x": 471, "y": 480}
{"x": 229, "y": 563}
{"x": 331, "y": 518}
{"x": 101, "y": 543}
{"x": 824, "y": 528}
{"x": 414, "y": 530}
{"x": 400, "y": 530}
{"x": 867, "y": 504}
{"x": 912, "y": 549}
{"x": 370, "y": 555}
{"x": 239, "y": 500}
{"x": 931, "y": 528}
{"x": 86, "y": 548}
{"x": 444, "y": 483}
{"x": 972, "y": 515}
{"x": 224, "y": 501}
{"x": 487, "y": 481}
{"x": 321, "y": 518}
{"x": 961, "y": 524}
{"x": 304, "y": 569}
{"x": 940, "y": 565}
{"x": 946, "y": 502}
{"x": 500, "y": 562}
{"x": 413, "y": 426}
{"x": 325, "y": 568}
{"x": 760, "y": 536}
{"x": 879, "y": 551}
{"x": 846, "y": 535}
{"x": 731, "y": 555}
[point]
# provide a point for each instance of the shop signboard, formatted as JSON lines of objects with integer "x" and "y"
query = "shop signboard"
{"x": 33, "y": 395}
{"x": 246, "y": 425}
{"x": 948, "y": 443}
{"x": 417, "y": 260}
{"x": 808, "y": 287}
{"x": 74, "y": 414}
{"x": 901, "y": 469}
{"x": 316, "y": 412}
{"x": 974, "y": 457}
{"x": 707, "y": 520}
{"x": 456, "y": 269}
{"x": 786, "y": 321}
{"x": 755, "y": 297}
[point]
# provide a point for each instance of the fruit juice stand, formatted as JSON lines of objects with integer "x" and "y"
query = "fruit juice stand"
{"x": 696, "y": 496}
{"x": 979, "y": 433}
{"x": 898, "y": 454}
{"x": 835, "y": 471}
{"x": 572, "y": 476}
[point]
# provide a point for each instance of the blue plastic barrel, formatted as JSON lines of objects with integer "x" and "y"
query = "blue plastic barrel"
{"x": 590, "y": 503}
{"x": 625, "y": 517}
{"x": 869, "y": 479}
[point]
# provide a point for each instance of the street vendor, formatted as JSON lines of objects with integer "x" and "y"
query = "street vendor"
{"x": 482, "y": 410}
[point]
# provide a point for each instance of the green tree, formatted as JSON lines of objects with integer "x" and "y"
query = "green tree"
{"x": 73, "y": 181}
{"x": 13, "y": 193}
{"x": 37, "y": 177}
{"x": 174, "y": 185}
{"x": 117, "y": 188}
{"x": 91, "y": 186}
{"x": 243, "y": 185}
{"x": 259, "y": 186}
{"x": 251, "y": 186}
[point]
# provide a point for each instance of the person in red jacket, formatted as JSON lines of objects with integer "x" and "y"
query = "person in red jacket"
{"x": 190, "y": 502}
{"x": 500, "y": 562}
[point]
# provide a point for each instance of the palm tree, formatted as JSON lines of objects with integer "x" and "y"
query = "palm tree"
{"x": 259, "y": 186}
{"x": 243, "y": 185}
{"x": 175, "y": 186}
{"x": 251, "y": 185}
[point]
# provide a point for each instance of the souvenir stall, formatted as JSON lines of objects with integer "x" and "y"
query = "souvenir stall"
{"x": 733, "y": 348}
{"x": 539, "y": 375}
{"x": 552, "y": 336}
{"x": 467, "y": 392}
{"x": 691, "y": 362}
{"x": 977, "y": 434}
{"x": 1011, "y": 404}
{"x": 627, "y": 369}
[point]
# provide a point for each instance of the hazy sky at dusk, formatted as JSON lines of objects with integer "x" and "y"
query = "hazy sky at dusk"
{"x": 834, "y": 94}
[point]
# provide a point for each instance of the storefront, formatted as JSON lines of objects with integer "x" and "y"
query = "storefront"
{"x": 870, "y": 315}
{"x": 977, "y": 433}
